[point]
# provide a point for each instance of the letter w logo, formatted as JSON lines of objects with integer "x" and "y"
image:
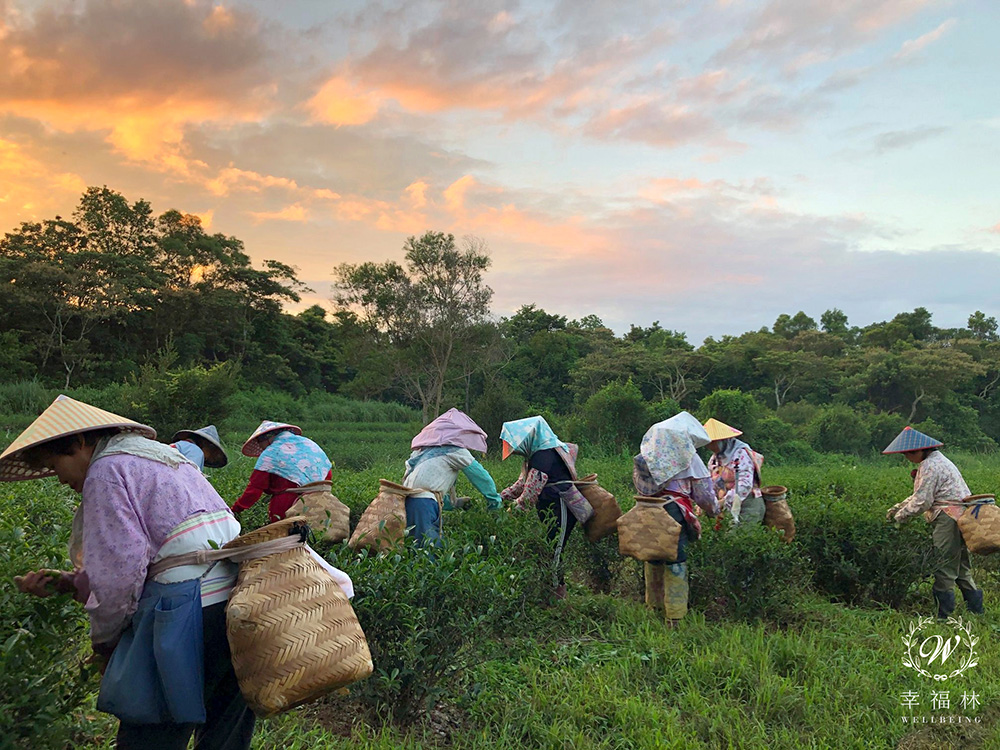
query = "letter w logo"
{"x": 937, "y": 647}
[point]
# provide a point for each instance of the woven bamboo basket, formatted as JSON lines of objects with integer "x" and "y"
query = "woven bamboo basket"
{"x": 980, "y": 525}
{"x": 383, "y": 524}
{"x": 606, "y": 510}
{"x": 292, "y": 631}
{"x": 329, "y": 518}
{"x": 777, "y": 513}
{"x": 647, "y": 532}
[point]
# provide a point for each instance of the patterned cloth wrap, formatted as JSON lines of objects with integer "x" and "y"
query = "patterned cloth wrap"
{"x": 451, "y": 428}
{"x": 296, "y": 458}
{"x": 669, "y": 446}
{"x": 526, "y": 437}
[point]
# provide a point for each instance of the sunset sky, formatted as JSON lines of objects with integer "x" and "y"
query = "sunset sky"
{"x": 706, "y": 164}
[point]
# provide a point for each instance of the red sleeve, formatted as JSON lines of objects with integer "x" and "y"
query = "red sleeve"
{"x": 260, "y": 482}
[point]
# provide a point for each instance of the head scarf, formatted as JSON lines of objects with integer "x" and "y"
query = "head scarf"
{"x": 296, "y": 458}
{"x": 530, "y": 435}
{"x": 451, "y": 428}
{"x": 646, "y": 485}
{"x": 668, "y": 446}
{"x": 728, "y": 449}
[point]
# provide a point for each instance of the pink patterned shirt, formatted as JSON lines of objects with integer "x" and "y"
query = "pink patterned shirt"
{"x": 130, "y": 505}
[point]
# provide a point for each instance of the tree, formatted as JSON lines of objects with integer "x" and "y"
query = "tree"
{"x": 97, "y": 295}
{"x": 981, "y": 327}
{"x": 834, "y": 321}
{"x": 788, "y": 327}
{"x": 788, "y": 370}
{"x": 528, "y": 321}
{"x": 75, "y": 276}
{"x": 425, "y": 312}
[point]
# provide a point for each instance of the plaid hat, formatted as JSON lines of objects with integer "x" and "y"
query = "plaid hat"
{"x": 64, "y": 416}
{"x": 911, "y": 440}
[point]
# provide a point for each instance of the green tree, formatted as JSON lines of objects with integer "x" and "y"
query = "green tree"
{"x": 616, "y": 417}
{"x": 789, "y": 326}
{"x": 981, "y": 327}
{"x": 735, "y": 408}
{"x": 834, "y": 321}
{"x": 425, "y": 312}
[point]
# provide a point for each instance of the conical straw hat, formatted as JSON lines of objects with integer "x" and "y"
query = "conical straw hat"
{"x": 65, "y": 416}
{"x": 253, "y": 448}
{"x": 720, "y": 430}
{"x": 911, "y": 440}
{"x": 211, "y": 434}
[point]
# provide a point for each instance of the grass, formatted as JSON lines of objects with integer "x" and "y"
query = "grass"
{"x": 600, "y": 671}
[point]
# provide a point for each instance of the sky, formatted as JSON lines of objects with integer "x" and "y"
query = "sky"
{"x": 708, "y": 165}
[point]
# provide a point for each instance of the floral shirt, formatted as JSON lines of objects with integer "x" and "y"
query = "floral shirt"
{"x": 130, "y": 507}
{"x": 736, "y": 481}
{"x": 938, "y": 481}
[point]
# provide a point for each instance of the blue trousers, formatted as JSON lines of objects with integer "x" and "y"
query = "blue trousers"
{"x": 423, "y": 515}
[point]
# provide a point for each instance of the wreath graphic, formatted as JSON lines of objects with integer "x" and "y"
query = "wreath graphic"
{"x": 910, "y": 659}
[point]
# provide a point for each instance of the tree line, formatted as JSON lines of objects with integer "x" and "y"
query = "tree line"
{"x": 92, "y": 299}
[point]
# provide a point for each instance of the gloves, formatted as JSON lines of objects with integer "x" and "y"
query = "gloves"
{"x": 891, "y": 513}
{"x": 735, "y": 505}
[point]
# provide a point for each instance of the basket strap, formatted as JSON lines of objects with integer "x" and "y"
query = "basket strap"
{"x": 239, "y": 554}
{"x": 974, "y": 503}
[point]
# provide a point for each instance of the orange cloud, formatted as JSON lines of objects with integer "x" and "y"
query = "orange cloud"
{"x": 454, "y": 194}
{"x": 93, "y": 68}
{"x": 29, "y": 188}
{"x": 338, "y": 102}
{"x": 662, "y": 188}
{"x": 233, "y": 179}
{"x": 206, "y": 218}
{"x": 294, "y": 212}
{"x": 418, "y": 193}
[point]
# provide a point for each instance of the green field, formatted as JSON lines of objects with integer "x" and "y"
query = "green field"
{"x": 749, "y": 667}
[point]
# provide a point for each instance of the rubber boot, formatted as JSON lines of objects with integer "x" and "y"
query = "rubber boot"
{"x": 946, "y": 603}
{"x": 974, "y": 601}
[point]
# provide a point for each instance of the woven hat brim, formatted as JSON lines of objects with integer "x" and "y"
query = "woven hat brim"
{"x": 64, "y": 417}
{"x": 720, "y": 430}
{"x": 13, "y": 469}
{"x": 182, "y": 434}
{"x": 252, "y": 446}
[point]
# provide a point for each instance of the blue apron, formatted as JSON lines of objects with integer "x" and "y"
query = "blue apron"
{"x": 156, "y": 674}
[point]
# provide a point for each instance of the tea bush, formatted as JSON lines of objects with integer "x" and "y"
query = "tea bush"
{"x": 423, "y": 610}
{"x": 43, "y": 677}
{"x": 746, "y": 574}
{"x": 861, "y": 559}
